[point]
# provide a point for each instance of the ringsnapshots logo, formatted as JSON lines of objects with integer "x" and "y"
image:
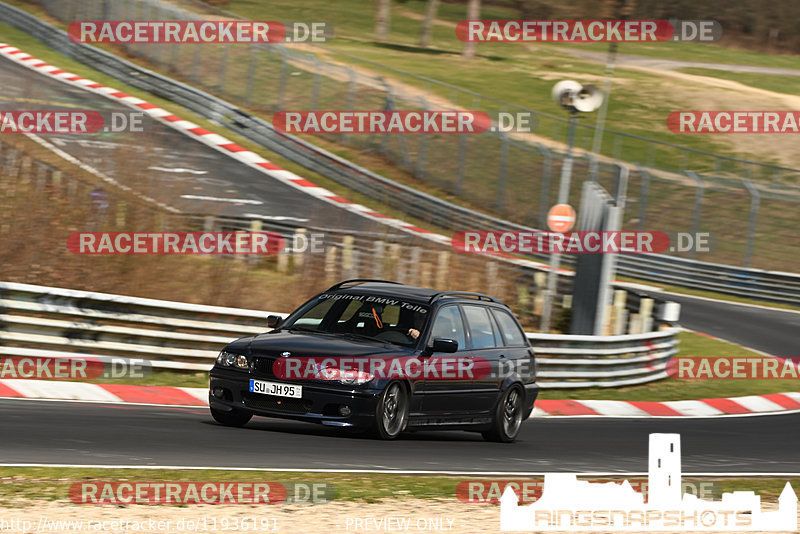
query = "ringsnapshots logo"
{"x": 570, "y": 505}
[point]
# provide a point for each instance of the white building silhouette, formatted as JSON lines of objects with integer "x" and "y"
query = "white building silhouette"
{"x": 664, "y": 469}
{"x": 568, "y": 504}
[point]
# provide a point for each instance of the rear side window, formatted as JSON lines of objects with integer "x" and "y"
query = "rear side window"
{"x": 448, "y": 325}
{"x": 512, "y": 335}
{"x": 481, "y": 329}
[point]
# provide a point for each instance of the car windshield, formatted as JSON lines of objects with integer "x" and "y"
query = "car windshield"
{"x": 382, "y": 318}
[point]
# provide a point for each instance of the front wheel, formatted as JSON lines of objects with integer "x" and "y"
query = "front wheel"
{"x": 231, "y": 418}
{"x": 507, "y": 417}
{"x": 391, "y": 414}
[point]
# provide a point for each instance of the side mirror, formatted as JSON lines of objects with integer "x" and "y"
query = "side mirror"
{"x": 444, "y": 345}
{"x": 274, "y": 320}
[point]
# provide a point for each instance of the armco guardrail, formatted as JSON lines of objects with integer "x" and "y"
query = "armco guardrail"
{"x": 47, "y": 321}
{"x": 39, "y": 321}
{"x": 566, "y": 361}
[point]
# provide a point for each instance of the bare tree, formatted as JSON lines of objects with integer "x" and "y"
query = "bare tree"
{"x": 383, "y": 19}
{"x": 427, "y": 24}
{"x": 473, "y": 12}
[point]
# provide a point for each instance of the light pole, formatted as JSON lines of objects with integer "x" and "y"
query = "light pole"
{"x": 575, "y": 98}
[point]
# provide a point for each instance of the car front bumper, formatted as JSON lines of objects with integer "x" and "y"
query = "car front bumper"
{"x": 320, "y": 403}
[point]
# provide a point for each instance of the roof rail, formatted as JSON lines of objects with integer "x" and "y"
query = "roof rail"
{"x": 360, "y": 281}
{"x": 478, "y": 296}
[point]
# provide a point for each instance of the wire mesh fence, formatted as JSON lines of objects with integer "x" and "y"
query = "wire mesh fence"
{"x": 750, "y": 209}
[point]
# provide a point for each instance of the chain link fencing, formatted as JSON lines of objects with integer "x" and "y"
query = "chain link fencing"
{"x": 750, "y": 209}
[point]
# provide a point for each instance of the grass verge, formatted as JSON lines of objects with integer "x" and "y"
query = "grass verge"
{"x": 668, "y": 389}
{"x": 52, "y": 483}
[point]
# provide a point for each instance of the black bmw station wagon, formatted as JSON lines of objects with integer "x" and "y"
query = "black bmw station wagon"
{"x": 384, "y": 357}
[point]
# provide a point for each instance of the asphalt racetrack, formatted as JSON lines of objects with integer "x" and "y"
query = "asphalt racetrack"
{"x": 773, "y": 331}
{"x": 166, "y": 164}
{"x": 91, "y": 434}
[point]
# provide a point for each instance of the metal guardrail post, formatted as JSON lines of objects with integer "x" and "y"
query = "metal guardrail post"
{"x": 755, "y": 200}
{"x": 197, "y": 58}
{"x": 351, "y": 97}
{"x": 616, "y": 150}
{"x": 251, "y": 74}
{"x": 593, "y": 165}
{"x": 158, "y": 49}
{"x": 419, "y": 170}
{"x": 458, "y": 186}
{"x": 644, "y": 196}
{"x": 651, "y": 156}
{"x": 500, "y": 203}
{"x": 621, "y": 188}
{"x": 547, "y": 171}
{"x": 223, "y": 67}
{"x": 282, "y": 80}
{"x": 698, "y": 205}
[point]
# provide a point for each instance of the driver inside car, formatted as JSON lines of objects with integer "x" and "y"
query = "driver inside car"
{"x": 392, "y": 322}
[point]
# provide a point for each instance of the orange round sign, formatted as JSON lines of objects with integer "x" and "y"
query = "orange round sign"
{"x": 561, "y": 218}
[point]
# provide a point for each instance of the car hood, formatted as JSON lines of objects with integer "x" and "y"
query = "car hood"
{"x": 303, "y": 344}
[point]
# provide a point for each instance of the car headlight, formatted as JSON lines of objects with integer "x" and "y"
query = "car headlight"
{"x": 350, "y": 377}
{"x": 228, "y": 359}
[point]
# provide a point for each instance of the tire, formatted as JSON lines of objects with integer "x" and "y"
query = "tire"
{"x": 391, "y": 414}
{"x": 231, "y": 418}
{"x": 507, "y": 417}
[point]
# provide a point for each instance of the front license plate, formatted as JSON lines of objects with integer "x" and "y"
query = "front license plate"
{"x": 274, "y": 388}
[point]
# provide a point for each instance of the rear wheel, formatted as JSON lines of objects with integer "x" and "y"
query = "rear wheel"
{"x": 231, "y": 418}
{"x": 391, "y": 414}
{"x": 507, "y": 418}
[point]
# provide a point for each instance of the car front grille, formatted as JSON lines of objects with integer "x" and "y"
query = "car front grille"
{"x": 263, "y": 367}
{"x": 277, "y": 404}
